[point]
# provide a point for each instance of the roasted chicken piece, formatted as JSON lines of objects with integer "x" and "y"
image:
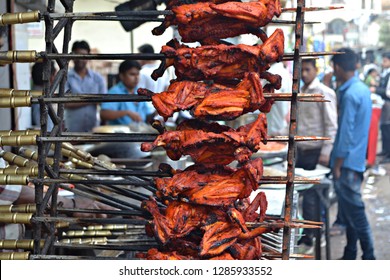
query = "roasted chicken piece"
{"x": 215, "y": 186}
{"x": 221, "y": 62}
{"x": 211, "y": 143}
{"x": 221, "y": 229}
{"x": 210, "y": 100}
{"x": 202, "y": 21}
{"x": 155, "y": 254}
{"x": 173, "y": 3}
{"x": 180, "y": 219}
{"x": 218, "y": 237}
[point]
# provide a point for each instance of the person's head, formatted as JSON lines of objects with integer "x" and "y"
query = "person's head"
{"x": 309, "y": 70}
{"x": 386, "y": 60}
{"x": 3, "y": 34}
{"x": 129, "y": 73}
{"x": 80, "y": 47}
{"x": 37, "y": 73}
{"x": 344, "y": 65}
{"x": 145, "y": 49}
{"x": 373, "y": 72}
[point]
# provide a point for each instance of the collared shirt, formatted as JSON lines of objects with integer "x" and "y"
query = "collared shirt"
{"x": 318, "y": 118}
{"x": 354, "y": 119}
{"x": 277, "y": 117}
{"x": 139, "y": 107}
{"x": 8, "y": 195}
{"x": 85, "y": 118}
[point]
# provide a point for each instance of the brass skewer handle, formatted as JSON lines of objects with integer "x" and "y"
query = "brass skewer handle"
{"x": 15, "y": 256}
{"x": 18, "y": 18}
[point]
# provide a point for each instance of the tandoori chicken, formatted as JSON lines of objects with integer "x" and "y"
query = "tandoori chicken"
{"x": 221, "y": 62}
{"x": 211, "y": 101}
{"x": 206, "y": 22}
{"x": 212, "y": 187}
{"x": 211, "y": 143}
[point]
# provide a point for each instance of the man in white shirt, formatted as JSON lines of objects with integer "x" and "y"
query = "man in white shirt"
{"x": 314, "y": 119}
{"x": 147, "y": 68}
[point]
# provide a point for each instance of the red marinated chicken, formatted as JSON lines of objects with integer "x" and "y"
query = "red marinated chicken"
{"x": 211, "y": 186}
{"x": 211, "y": 143}
{"x": 221, "y": 62}
{"x": 204, "y": 21}
{"x": 221, "y": 229}
{"x": 211, "y": 101}
{"x": 173, "y": 3}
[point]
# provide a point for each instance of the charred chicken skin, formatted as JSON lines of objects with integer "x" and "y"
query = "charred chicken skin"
{"x": 174, "y": 3}
{"x": 155, "y": 254}
{"x": 212, "y": 187}
{"x": 221, "y": 62}
{"x": 211, "y": 101}
{"x": 211, "y": 143}
{"x": 221, "y": 229}
{"x": 202, "y": 21}
{"x": 180, "y": 219}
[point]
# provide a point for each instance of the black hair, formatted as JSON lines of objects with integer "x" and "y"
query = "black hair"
{"x": 347, "y": 60}
{"x": 371, "y": 70}
{"x": 37, "y": 72}
{"x": 81, "y": 45}
{"x": 146, "y": 48}
{"x": 311, "y": 61}
{"x": 386, "y": 54}
{"x": 128, "y": 64}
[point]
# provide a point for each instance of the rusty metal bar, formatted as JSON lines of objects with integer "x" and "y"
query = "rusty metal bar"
{"x": 97, "y": 211}
{"x": 70, "y": 98}
{"x": 264, "y": 180}
{"x": 56, "y": 257}
{"x": 122, "y": 221}
{"x": 33, "y": 56}
{"x": 27, "y": 101}
{"x": 311, "y": 9}
{"x": 123, "y": 247}
{"x": 138, "y": 137}
{"x": 36, "y": 16}
{"x": 38, "y": 229}
{"x": 293, "y": 129}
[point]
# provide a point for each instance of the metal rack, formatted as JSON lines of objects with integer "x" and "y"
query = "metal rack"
{"x": 45, "y": 227}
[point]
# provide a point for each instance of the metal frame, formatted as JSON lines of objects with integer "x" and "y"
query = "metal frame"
{"x": 51, "y": 32}
{"x": 300, "y": 18}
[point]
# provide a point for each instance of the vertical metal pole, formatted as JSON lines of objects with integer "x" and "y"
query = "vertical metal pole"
{"x": 43, "y": 118}
{"x": 60, "y": 113}
{"x": 293, "y": 130}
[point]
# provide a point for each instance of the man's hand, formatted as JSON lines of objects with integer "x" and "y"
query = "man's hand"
{"x": 337, "y": 168}
{"x": 134, "y": 116}
{"x": 324, "y": 160}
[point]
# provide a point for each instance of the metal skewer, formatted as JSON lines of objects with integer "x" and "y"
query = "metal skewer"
{"x": 137, "y": 137}
{"x": 264, "y": 180}
{"x": 152, "y": 15}
{"x": 27, "y": 101}
{"x": 33, "y": 56}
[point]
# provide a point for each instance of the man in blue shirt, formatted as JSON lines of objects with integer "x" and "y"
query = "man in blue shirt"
{"x": 82, "y": 117}
{"x": 349, "y": 153}
{"x": 125, "y": 113}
